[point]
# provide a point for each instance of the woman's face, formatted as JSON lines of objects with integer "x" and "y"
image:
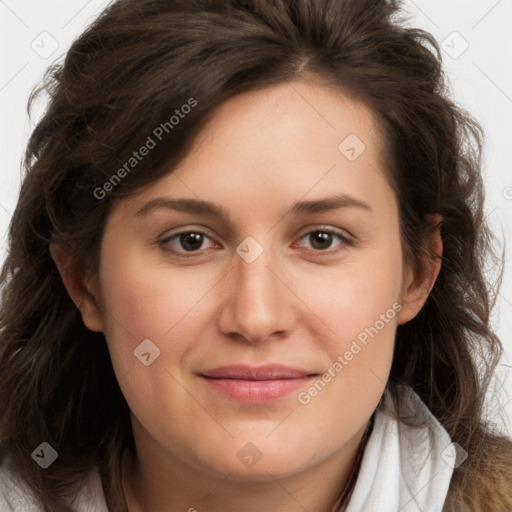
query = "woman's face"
{"x": 262, "y": 340}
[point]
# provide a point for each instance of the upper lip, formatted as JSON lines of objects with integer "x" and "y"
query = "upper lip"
{"x": 266, "y": 372}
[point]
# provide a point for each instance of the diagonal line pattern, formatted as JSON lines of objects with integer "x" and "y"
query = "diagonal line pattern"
{"x": 200, "y": 404}
{"x": 280, "y": 423}
{"x": 424, "y": 13}
{"x": 486, "y": 14}
{"x": 312, "y": 106}
{"x": 311, "y": 188}
{"x": 300, "y": 299}
{"x": 14, "y": 76}
{"x": 75, "y": 15}
{"x": 217, "y": 486}
{"x": 383, "y": 382}
{"x": 492, "y": 81}
{"x": 414, "y": 497}
{"x": 505, "y": 299}
{"x": 286, "y": 490}
{"x": 506, "y": 403}
{"x": 184, "y": 184}
{"x": 19, "y": 19}
{"x": 207, "y": 292}
{"x": 6, "y": 210}
{"x": 199, "y": 300}
{"x": 490, "y": 213}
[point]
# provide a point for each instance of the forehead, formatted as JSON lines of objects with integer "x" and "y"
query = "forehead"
{"x": 278, "y": 145}
{"x": 307, "y": 114}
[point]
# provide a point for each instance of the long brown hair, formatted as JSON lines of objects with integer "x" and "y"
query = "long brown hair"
{"x": 128, "y": 73}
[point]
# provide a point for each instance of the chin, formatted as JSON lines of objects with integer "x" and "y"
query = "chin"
{"x": 257, "y": 463}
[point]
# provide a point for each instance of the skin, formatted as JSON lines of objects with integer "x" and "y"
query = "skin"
{"x": 296, "y": 305}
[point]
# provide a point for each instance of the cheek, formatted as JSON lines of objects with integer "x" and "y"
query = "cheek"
{"x": 149, "y": 301}
{"x": 363, "y": 318}
{"x": 140, "y": 298}
{"x": 352, "y": 298}
{"x": 140, "y": 303}
{"x": 360, "y": 308}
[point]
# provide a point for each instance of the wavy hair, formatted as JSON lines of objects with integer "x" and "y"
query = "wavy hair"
{"x": 137, "y": 63}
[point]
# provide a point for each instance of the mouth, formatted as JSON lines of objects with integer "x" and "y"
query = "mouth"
{"x": 256, "y": 384}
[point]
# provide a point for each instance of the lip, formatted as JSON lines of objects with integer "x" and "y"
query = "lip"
{"x": 256, "y": 384}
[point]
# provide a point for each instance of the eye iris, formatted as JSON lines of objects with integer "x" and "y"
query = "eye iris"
{"x": 191, "y": 241}
{"x": 321, "y": 240}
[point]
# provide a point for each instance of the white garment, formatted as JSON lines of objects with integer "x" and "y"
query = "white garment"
{"x": 408, "y": 471}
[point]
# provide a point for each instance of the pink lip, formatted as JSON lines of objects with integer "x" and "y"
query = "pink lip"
{"x": 256, "y": 384}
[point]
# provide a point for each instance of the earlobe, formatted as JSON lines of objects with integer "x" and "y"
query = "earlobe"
{"x": 419, "y": 284}
{"x": 79, "y": 289}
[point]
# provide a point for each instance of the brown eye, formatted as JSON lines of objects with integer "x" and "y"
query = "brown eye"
{"x": 325, "y": 240}
{"x": 320, "y": 240}
{"x": 187, "y": 242}
{"x": 191, "y": 241}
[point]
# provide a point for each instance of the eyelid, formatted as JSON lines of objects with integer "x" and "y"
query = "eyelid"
{"x": 345, "y": 237}
{"x": 163, "y": 241}
{"x": 187, "y": 228}
{"x": 313, "y": 228}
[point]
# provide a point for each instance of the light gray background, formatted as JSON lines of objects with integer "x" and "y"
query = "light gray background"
{"x": 477, "y": 52}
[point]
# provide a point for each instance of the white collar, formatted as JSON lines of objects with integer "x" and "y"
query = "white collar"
{"x": 404, "y": 468}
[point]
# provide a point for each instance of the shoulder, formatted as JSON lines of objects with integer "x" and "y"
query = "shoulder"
{"x": 15, "y": 495}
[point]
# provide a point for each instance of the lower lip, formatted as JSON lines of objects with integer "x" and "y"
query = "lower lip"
{"x": 257, "y": 391}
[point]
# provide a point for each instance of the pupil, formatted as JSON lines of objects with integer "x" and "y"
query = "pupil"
{"x": 321, "y": 240}
{"x": 191, "y": 241}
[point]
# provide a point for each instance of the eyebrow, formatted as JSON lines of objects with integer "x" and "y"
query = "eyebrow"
{"x": 200, "y": 207}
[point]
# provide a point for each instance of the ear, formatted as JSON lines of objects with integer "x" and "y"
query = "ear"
{"x": 82, "y": 291}
{"x": 418, "y": 283}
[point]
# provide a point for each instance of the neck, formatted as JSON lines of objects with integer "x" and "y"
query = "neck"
{"x": 155, "y": 480}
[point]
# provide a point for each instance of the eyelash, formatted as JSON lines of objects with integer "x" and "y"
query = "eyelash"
{"x": 345, "y": 241}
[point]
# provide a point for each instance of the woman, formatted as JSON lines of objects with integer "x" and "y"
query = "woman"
{"x": 246, "y": 271}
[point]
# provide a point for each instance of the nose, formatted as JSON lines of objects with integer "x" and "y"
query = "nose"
{"x": 258, "y": 305}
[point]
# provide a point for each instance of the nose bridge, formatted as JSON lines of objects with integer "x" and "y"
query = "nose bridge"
{"x": 257, "y": 305}
{"x": 255, "y": 283}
